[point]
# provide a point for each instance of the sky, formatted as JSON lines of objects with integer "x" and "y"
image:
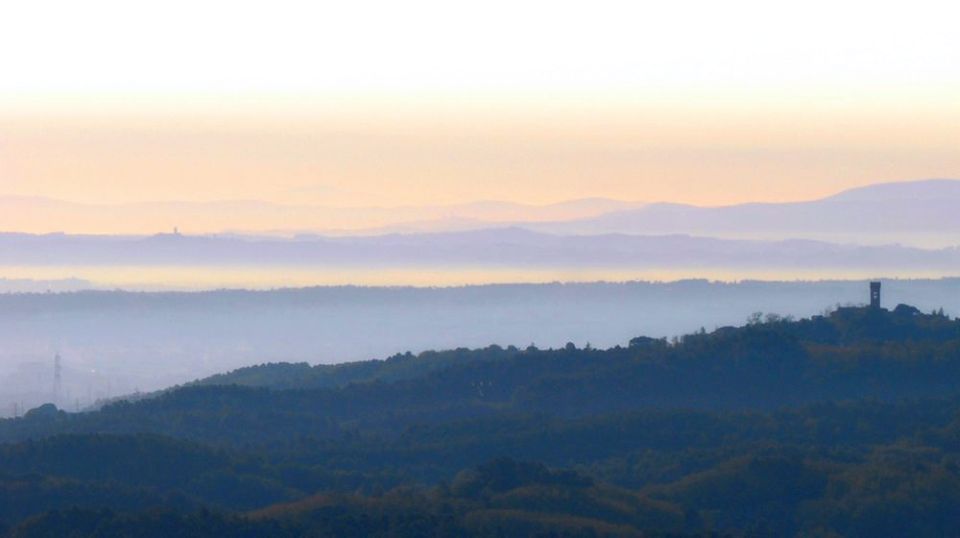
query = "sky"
{"x": 357, "y": 104}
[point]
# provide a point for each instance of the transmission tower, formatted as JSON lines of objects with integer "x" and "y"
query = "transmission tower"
{"x": 57, "y": 371}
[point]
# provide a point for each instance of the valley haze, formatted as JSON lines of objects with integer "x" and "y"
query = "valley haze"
{"x": 115, "y": 342}
{"x": 439, "y": 269}
{"x": 596, "y": 271}
{"x": 906, "y": 229}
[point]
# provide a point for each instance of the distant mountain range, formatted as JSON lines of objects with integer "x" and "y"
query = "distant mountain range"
{"x": 899, "y": 229}
{"x": 498, "y": 247}
{"x": 916, "y": 213}
{"x": 45, "y": 215}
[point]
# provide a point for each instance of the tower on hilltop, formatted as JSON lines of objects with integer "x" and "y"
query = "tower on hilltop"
{"x": 875, "y": 295}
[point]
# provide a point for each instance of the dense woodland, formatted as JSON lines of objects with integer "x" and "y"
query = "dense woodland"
{"x": 846, "y": 424}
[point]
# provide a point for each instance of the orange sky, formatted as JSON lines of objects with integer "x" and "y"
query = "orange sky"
{"x": 364, "y": 103}
{"x": 438, "y": 154}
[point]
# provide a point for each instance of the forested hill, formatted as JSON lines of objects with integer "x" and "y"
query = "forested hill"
{"x": 840, "y": 330}
{"x": 847, "y": 423}
{"x": 769, "y": 363}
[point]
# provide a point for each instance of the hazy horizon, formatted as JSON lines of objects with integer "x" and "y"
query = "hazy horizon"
{"x": 371, "y": 105}
{"x": 48, "y": 215}
{"x": 224, "y": 145}
{"x": 114, "y": 343}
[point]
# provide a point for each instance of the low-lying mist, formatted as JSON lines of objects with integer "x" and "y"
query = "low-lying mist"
{"x": 116, "y": 342}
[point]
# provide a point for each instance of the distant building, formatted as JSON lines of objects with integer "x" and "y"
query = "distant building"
{"x": 875, "y": 295}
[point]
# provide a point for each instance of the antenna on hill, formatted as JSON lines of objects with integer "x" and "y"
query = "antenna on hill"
{"x": 57, "y": 378}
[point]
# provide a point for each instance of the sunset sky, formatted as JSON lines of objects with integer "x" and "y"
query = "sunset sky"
{"x": 411, "y": 103}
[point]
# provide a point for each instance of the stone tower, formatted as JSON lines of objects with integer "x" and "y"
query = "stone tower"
{"x": 875, "y": 295}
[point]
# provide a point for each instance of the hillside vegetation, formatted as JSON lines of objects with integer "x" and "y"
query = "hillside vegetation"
{"x": 842, "y": 424}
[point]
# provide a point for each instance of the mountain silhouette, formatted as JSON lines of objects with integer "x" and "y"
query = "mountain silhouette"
{"x": 915, "y": 212}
